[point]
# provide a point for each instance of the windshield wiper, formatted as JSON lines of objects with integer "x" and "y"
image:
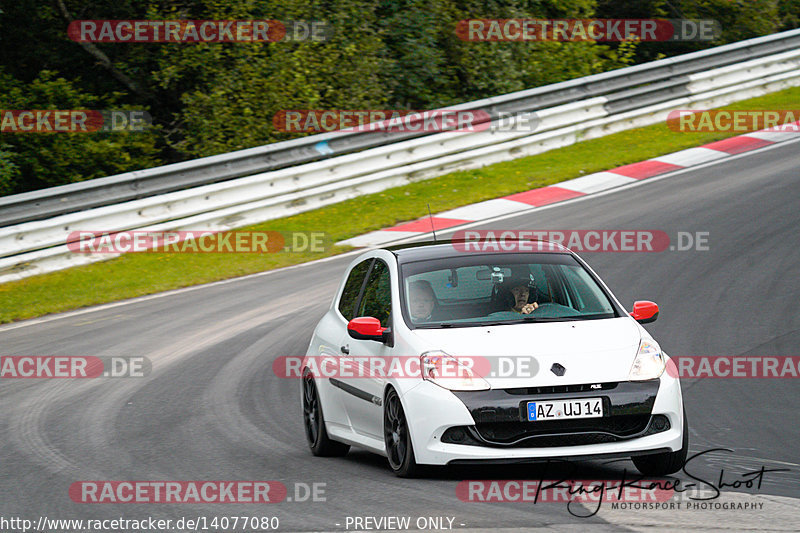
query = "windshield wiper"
{"x": 550, "y": 318}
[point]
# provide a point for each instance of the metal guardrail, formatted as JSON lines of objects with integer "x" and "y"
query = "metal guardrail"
{"x": 626, "y": 89}
{"x": 40, "y": 246}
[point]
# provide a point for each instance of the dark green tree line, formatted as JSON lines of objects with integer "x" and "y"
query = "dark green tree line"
{"x": 207, "y": 99}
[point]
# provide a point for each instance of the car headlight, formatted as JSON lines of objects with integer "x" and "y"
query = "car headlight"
{"x": 449, "y": 373}
{"x": 649, "y": 362}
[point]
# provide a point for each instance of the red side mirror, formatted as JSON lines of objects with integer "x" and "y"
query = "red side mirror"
{"x": 366, "y": 328}
{"x": 644, "y": 312}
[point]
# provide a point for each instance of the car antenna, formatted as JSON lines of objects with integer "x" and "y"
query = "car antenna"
{"x": 433, "y": 229}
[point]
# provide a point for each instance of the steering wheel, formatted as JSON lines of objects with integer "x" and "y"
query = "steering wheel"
{"x": 555, "y": 310}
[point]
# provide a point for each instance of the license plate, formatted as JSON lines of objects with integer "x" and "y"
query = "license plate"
{"x": 565, "y": 409}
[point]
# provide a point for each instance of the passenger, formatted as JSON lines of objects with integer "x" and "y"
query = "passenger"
{"x": 422, "y": 300}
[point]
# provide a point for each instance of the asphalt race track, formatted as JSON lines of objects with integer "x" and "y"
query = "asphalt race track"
{"x": 212, "y": 409}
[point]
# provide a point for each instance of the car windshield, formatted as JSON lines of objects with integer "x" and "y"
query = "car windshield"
{"x": 500, "y": 289}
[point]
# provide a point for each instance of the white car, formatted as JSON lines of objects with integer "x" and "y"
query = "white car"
{"x": 567, "y": 372}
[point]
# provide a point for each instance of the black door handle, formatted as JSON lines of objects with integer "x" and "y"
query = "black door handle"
{"x": 345, "y": 349}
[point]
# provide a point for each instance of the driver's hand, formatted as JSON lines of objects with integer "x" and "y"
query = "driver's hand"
{"x": 529, "y": 308}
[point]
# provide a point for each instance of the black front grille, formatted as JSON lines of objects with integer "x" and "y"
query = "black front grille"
{"x": 566, "y": 440}
{"x": 557, "y": 432}
{"x": 624, "y": 398}
{"x": 559, "y": 389}
{"x": 621, "y": 426}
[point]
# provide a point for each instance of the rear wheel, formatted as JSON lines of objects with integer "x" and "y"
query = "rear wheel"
{"x": 399, "y": 449}
{"x": 316, "y": 434}
{"x": 662, "y": 464}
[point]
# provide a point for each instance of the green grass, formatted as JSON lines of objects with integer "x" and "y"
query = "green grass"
{"x": 138, "y": 274}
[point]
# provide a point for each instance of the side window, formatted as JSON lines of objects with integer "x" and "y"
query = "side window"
{"x": 352, "y": 287}
{"x": 588, "y": 294}
{"x": 377, "y": 300}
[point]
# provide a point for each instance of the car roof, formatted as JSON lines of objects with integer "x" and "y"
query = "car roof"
{"x": 439, "y": 249}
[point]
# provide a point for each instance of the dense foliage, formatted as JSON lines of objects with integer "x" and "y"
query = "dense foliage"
{"x": 207, "y": 99}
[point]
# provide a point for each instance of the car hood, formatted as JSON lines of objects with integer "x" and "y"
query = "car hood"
{"x": 591, "y": 351}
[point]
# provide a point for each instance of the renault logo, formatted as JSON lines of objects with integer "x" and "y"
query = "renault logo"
{"x": 558, "y": 369}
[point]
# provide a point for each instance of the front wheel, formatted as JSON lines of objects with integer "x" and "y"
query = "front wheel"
{"x": 662, "y": 464}
{"x": 317, "y": 436}
{"x": 399, "y": 449}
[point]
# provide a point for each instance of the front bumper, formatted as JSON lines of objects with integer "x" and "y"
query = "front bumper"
{"x": 639, "y": 418}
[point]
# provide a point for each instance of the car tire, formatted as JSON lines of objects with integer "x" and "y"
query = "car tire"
{"x": 317, "y": 436}
{"x": 662, "y": 464}
{"x": 399, "y": 449}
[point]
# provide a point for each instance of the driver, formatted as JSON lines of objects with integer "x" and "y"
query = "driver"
{"x": 520, "y": 293}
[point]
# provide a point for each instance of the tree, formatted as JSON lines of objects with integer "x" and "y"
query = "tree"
{"x": 34, "y": 160}
{"x": 207, "y": 99}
